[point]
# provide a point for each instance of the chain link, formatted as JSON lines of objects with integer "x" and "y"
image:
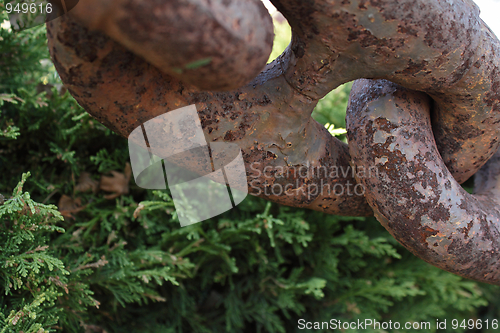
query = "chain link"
{"x": 419, "y": 145}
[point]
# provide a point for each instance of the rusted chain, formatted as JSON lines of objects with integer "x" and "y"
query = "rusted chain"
{"x": 268, "y": 119}
{"x": 440, "y": 48}
{"x": 212, "y": 45}
{"x": 415, "y": 197}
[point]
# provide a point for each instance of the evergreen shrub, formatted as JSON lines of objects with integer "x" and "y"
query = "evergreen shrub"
{"x": 78, "y": 256}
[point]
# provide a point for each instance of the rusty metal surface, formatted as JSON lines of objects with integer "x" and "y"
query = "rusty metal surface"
{"x": 211, "y": 44}
{"x": 268, "y": 119}
{"x": 415, "y": 197}
{"x": 439, "y": 48}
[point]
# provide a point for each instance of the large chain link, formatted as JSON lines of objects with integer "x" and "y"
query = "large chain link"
{"x": 409, "y": 149}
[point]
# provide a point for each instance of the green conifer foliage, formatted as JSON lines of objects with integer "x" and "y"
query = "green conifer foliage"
{"x": 75, "y": 258}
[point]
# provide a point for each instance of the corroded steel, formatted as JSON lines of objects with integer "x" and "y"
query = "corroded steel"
{"x": 415, "y": 197}
{"x": 216, "y": 45}
{"x": 440, "y": 48}
{"x": 268, "y": 119}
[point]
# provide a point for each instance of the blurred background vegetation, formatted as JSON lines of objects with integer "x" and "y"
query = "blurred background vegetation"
{"x": 83, "y": 249}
